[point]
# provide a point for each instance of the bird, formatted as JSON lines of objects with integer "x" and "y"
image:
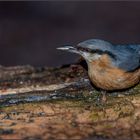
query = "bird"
{"x": 111, "y": 67}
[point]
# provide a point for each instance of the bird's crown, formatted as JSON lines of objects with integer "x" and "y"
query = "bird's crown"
{"x": 95, "y": 44}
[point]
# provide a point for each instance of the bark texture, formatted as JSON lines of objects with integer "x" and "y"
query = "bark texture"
{"x": 60, "y": 103}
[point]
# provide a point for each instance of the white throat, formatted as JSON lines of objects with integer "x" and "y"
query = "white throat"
{"x": 96, "y": 56}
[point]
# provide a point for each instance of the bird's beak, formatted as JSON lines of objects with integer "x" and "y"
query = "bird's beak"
{"x": 69, "y": 49}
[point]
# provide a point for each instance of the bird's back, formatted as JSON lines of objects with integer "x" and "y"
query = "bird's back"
{"x": 127, "y": 57}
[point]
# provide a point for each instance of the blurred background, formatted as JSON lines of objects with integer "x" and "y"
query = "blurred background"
{"x": 31, "y": 31}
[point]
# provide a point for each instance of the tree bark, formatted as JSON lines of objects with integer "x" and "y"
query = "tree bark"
{"x": 60, "y": 103}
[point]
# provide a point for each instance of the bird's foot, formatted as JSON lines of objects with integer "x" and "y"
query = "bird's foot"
{"x": 103, "y": 98}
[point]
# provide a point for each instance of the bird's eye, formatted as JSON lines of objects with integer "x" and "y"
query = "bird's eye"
{"x": 83, "y": 49}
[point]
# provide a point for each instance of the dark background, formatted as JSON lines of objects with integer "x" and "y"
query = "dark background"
{"x": 30, "y": 31}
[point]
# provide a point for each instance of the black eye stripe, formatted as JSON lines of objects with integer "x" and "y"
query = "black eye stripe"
{"x": 83, "y": 49}
{"x": 96, "y": 51}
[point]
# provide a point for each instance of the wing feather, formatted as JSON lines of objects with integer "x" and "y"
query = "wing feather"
{"x": 128, "y": 57}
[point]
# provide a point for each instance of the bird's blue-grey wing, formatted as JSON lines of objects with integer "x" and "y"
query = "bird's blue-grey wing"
{"x": 128, "y": 57}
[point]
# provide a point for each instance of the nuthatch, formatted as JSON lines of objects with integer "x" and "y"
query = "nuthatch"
{"x": 110, "y": 67}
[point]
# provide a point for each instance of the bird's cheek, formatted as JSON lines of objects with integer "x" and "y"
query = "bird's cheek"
{"x": 85, "y": 55}
{"x": 96, "y": 56}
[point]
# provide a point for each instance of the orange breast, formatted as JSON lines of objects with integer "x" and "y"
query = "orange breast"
{"x": 105, "y": 76}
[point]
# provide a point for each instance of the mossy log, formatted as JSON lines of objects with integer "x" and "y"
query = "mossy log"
{"x": 60, "y": 103}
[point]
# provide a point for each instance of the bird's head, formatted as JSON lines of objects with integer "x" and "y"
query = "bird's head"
{"x": 91, "y": 49}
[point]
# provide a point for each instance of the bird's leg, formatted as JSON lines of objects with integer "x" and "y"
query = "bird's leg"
{"x": 103, "y": 99}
